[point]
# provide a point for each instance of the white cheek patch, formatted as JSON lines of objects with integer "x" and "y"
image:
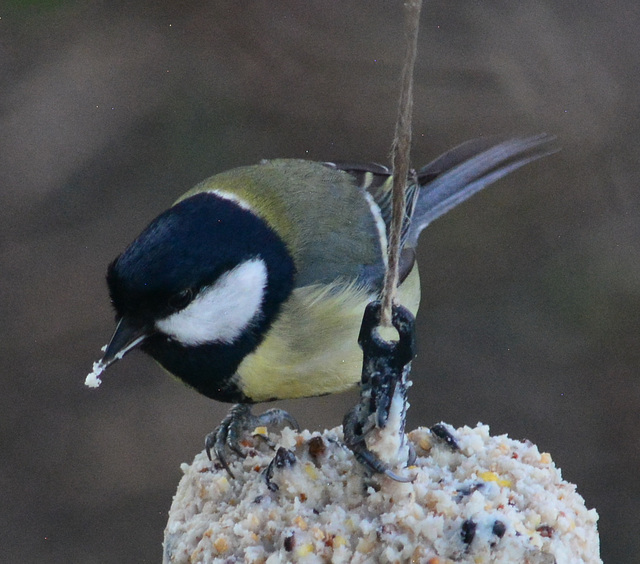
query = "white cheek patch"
{"x": 223, "y": 311}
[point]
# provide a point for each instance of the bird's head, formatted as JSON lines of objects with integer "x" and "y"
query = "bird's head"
{"x": 206, "y": 273}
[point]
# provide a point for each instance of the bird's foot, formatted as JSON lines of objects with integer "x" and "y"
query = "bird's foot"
{"x": 354, "y": 438}
{"x": 383, "y": 389}
{"x": 239, "y": 420}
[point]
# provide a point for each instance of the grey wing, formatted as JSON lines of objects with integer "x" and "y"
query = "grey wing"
{"x": 377, "y": 180}
{"x": 440, "y": 186}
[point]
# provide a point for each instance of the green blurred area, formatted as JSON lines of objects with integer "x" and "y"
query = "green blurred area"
{"x": 29, "y": 5}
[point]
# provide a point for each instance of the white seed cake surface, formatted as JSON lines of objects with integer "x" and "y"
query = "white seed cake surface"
{"x": 495, "y": 500}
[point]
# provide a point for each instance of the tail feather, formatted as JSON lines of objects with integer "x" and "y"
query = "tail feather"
{"x": 458, "y": 174}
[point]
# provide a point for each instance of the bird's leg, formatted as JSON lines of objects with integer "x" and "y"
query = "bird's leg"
{"x": 228, "y": 434}
{"x": 238, "y": 420}
{"x": 385, "y": 379}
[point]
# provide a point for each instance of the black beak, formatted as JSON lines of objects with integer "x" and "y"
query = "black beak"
{"x": 126, "y": 337}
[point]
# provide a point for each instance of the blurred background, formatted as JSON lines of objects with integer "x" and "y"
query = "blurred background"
{"x": 531, "y": 290}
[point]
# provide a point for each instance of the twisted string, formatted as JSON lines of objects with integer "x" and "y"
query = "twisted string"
{"x": 400, "y": 151}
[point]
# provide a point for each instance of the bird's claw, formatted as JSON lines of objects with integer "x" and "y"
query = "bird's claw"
{"x": 385, "y": 372}
{"x": 228, "y": 434}
{"x": 354, "y": 435}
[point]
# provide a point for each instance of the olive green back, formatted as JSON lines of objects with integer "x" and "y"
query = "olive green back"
{"x": 322, "y": 216}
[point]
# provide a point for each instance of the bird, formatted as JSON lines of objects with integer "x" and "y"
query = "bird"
{"x": 251, "y": 287}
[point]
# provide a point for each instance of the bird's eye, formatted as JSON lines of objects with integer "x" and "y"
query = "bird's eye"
{"x": 181, "y": 300}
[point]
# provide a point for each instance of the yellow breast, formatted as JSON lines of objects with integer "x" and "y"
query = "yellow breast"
{"x": 312, "y": 347}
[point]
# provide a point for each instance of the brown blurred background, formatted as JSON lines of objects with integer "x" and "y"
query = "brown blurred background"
{"x": 531, "y": 301}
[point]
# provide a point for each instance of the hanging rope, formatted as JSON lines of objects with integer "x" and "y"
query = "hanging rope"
{"x": 386, "y": 364}
{"x": 400, "y": 159}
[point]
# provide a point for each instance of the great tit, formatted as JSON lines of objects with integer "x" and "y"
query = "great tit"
{"x": 252, "y": 286}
